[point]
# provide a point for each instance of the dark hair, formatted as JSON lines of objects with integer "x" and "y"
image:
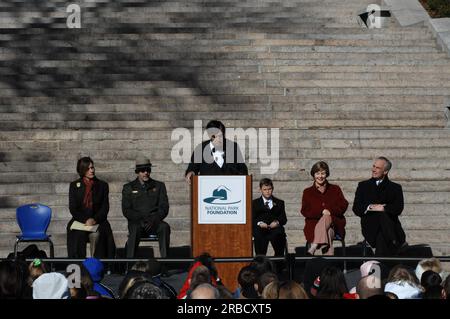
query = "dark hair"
{"x": 446, "y": 286}
{"x": 433, "y": 292}
{"x": 265, "y": 182}
{"x": 290, "y": 289}
{"x": 200, "y": 275}
{"x": 320, "y": 166}
{"x": 216, "y": 124}
{"x": 247, "y": 278}
{"x": 429, "y": 279}
{"x": 262, "y": 264}
{"x": 86, "y": 281}
{"x": 151, "y": 267}
{"x": 265, "y": 279}
{"x": 332, "y": 284}
{"x": 13, "y": 280}
{"x": 83, "y": 165}
{"x": 143, "y": 289}
{"x": 206, "y": 260}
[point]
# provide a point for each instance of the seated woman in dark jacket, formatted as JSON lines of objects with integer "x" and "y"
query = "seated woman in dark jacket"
{"x": 323, "y": 205}
{"x": 89, "y": 205}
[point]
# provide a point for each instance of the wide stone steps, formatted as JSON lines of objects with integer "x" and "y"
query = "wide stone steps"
{"x": 239, "y": 109}
{"x": 123, "y": 82}
{"x": 163, "y": 136}
{"x": 416, "y": 122}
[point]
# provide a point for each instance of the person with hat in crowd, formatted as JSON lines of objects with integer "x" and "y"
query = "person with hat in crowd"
{"x": 51, "y": 285}
{"x": 145, "y": 204}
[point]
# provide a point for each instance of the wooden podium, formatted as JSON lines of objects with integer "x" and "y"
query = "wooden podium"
{"x": 222, "y": 239}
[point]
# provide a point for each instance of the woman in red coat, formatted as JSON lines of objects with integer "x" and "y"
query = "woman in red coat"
{"x": 323, "y": 205}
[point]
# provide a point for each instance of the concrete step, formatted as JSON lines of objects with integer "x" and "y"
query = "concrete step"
{"x": 437, "y": 120}
{"x": 134, "y": 108}
{"x": 437, "y": 115}
{"x": 164, "y": 135}
{"x": 167, "y": 145}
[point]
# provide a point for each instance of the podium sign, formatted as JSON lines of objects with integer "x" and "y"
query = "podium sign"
{"x": 221, "y": 221}
{"x": 222, "y": 201}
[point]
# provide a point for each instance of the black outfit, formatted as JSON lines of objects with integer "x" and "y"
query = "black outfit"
{"x": 145, "y": 206}
{"x": 276, "y": 236}
{"x": 208, "y": 166}
{"x": 77, "y": 239}
{"x": 381, "y": 230}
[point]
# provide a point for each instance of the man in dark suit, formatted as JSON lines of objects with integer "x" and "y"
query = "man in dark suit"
{"x": 145, "y": 204}
{"x": 217, "y": 156}
{"x": 379, "y": 202}
{"x": 269, "y": 217}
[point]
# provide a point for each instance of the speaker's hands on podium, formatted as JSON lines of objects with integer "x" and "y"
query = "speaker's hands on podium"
{"x": 188, "y": 177}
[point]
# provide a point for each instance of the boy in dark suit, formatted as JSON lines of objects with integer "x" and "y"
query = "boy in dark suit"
{"x": 269, "y": 217}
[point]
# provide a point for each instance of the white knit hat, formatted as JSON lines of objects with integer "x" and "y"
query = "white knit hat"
{"x": 51, "y": 285}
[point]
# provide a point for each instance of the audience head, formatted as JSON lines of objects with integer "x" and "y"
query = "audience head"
{"x": 200, "y": 275}
{"x": 265, "y": 279}
{"x": 151, "y": 267}
{"x": 430, "y": 278}
{"x": 13, "y": 281}
{"x": 446, "y": 288}
{"x": 369, "y": 286}
{"x": 262, "y": 264}
{"x": 271, "y": 290}
{"x": 206, "y": 260}
{"x": 205, "y": 291}
{"x": 248, "y": 281}
{"x": 313, "y": 270}
{"x": 400, "y": 273}
{"x": 332, "y": 284}
{"x": 428, "y": 264}
{"x": 51, "y": 285}
{"x": 143, "y": 289}
{"x": 291, "y": 290}
{"x": 95, "y": 268}
{"x": 368, "y": 267}
{"x": 35, "y": 269}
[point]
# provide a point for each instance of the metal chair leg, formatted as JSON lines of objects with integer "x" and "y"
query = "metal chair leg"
{"x": 344, "y": 254}
{"x": 16, "y": 246}
{"x": 52, "y": 249}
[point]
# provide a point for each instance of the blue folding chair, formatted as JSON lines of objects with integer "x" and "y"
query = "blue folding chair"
{"x": 33, "y": 220}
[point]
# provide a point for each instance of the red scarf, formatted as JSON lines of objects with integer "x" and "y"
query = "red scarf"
{"x": 87, "y": 200}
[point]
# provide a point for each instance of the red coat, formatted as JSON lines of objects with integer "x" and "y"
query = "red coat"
{"x": 314, "y": 202}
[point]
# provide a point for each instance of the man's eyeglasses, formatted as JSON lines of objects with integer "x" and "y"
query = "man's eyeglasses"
{"x": 144, "y": 169}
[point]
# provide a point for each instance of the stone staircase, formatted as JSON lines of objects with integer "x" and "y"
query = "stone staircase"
{"x": 137, "y": 69}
